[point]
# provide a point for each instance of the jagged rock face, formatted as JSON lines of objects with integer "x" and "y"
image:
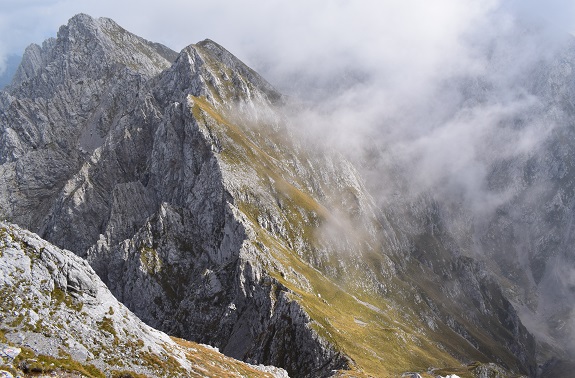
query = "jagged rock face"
{"x": 62, "y": 101}
{"x": 190, "y": 199}
{"x": 534, "y": 225}
{"x": 526, "y": 240}
{"x": 55, "y": 310}
{"x": 150, "y": 200}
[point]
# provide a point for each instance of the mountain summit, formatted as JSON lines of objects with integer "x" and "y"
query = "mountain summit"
{"x": 177, "y": 178}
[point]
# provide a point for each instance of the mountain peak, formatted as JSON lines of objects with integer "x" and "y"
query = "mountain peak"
{"x": 215, "y": 224}
{"x": 88, "y": 47}
{"x": 83, "y": 25}
{"x": 84, "y": 22}
{"x": 85, "y": 33}
{"x": 81, "y": 19}
{"x": 230, "y": 61}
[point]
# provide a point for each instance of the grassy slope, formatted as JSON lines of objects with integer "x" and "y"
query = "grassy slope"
{"x": 381, "y": 338}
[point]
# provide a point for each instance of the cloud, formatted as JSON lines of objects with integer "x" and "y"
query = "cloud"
{"x": 316, "y": 40}
{"x": 441, "y": 90}
{"x": 429, "y": 84}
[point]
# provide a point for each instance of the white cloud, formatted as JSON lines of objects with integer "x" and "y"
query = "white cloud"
{"x": 284, "y": 37}
{"x": 393, "y": 71}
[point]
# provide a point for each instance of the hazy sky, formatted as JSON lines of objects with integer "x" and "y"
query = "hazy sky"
{"x": 279, "y": 37}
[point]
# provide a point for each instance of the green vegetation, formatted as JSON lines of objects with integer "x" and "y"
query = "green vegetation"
{"x": 59, "y": 296}
{"x": 31, "y": 363}
{"x": 150, "y": 260}
{"x": 30, "y": 251}
{"x": 369, "y": 334}
{"x": 107, "y": 325}
{"x": 227, "y": 92}
{"x": 163, "y": 365}
{"x": 16, "y": 321}
{"x": 3, "y": 234}
{"x": 205, "y": 359}
{"x": 303, "y": 214}
{"x": 379, "y": 336}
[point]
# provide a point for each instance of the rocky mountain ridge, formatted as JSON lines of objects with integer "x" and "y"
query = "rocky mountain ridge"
{"x": 58, "y": 316}
{"x": 176, "y": 177}
{"x": 523, "y": 237}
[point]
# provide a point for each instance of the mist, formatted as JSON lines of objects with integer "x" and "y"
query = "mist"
{"x": 428, "y": 98}
{"x": 441, "y": 90}
{"x": 449, "y": 104}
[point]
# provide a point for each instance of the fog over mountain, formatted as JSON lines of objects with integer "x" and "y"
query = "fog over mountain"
{"x": 296, "y": 36}
{"x": 468, "y": 120}
{"x": 429, "y": 146}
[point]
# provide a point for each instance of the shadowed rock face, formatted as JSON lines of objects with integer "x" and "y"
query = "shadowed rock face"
{"x": 132, "y": 183}
{"x": 58, "y": 316}
{"x": 175, "y": 177}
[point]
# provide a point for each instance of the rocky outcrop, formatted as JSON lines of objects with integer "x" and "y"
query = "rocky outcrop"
{"x": 58, "y": 316}
{"x": 147, "y": 201}
{"x": 59, "y": 108}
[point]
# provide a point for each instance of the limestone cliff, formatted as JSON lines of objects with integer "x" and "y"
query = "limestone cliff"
{"x": 177, "y": 178}
{"x": 59, "y": 318}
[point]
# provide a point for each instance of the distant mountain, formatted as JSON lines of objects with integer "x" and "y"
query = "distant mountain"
{"x": 517, "y": 221}
{"x": 12, "y": 63}
{"x": 178, "y": 178}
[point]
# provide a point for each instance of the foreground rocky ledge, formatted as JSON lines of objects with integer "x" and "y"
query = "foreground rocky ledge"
{"x": 58, "y": 317}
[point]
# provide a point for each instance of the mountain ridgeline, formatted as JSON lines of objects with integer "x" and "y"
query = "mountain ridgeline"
{"x": 177, "y": 178}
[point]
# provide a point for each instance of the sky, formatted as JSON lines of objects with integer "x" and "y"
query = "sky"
{"x": 282, "y": 37}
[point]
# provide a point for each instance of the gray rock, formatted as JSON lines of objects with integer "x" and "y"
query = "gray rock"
{"x": 9, "y": 352}
{"x": 79, "y": 318}
{"x": 121, "y": 156}
{"x": 176, "y": 176}
{"x": 6, "y": 374}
